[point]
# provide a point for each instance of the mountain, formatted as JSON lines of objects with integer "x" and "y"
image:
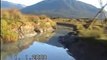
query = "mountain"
{"x": 62, "y": 8}
{"x": 106, "y": 14}
{"x": 9, "y": 5}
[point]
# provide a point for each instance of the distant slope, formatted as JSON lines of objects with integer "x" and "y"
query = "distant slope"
{"x": 106, "y": 14}
{"x": 9, "y": 5}
{"x": 62, "y": 8}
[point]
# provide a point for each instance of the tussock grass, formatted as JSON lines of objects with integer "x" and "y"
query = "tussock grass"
{"x": 12, "y": 20}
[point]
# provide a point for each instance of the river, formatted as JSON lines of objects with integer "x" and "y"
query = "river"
{"x": 41, "y": 47}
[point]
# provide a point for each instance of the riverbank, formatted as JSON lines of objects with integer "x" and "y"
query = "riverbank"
{"x": 91, "y": 43}
{"x": 86, "y": 48}
{"x": 16, "y": 26}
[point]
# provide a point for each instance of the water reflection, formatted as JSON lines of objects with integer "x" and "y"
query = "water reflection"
{"x": 12, "y": 49}
{"x": 25, "y": 48}
{"x": 61, "y": 31}
{"x": 37, "y": 48}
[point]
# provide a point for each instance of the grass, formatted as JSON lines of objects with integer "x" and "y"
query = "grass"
{"x": 11, "y": 20}
{"x": 97, "y": 30}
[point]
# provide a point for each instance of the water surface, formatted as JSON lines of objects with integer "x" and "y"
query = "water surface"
{"x": 37, "y": 48}
{"x": 51, "y": 49}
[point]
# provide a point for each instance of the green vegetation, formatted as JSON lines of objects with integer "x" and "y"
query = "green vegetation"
{"x": 12, "y": 20}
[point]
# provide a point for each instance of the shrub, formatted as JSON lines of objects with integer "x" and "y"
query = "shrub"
{"x": 11, "y": 20}
{"x": 7, "y": 34}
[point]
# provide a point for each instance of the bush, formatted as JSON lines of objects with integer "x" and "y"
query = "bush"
{"x": 7, "y": 34}
{"x": 11, "y": 20}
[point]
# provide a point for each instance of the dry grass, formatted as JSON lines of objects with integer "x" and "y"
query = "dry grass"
{"x": 11, "y": 20}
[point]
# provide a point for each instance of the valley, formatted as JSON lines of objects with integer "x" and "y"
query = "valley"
{"x": 53, "y": 30}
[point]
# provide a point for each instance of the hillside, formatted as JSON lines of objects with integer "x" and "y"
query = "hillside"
{"x": 62, "y": 8}
{"x": 10, "y": 5}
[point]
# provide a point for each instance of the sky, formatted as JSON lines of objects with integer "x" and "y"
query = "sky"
{"x": 31, "y": 2}
{"x": 95, "y": 3}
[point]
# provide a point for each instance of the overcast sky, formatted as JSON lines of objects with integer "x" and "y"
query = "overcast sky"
{"x": 31, "y": 2}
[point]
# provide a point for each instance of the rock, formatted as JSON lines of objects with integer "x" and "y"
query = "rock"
{"x": 27, "y": 30}
{"x": 38, "y": 30}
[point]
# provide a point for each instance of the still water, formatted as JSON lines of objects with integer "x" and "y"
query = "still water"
{"x": 49, "y": 50}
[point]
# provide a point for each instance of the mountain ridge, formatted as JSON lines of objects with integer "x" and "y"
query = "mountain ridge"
{"x": 10, "y": 5}
{"x": 62, "y": 8}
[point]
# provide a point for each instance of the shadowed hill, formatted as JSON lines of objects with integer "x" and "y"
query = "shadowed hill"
{"x": 9, "y": 5}
{"x": 62, "y": 8}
